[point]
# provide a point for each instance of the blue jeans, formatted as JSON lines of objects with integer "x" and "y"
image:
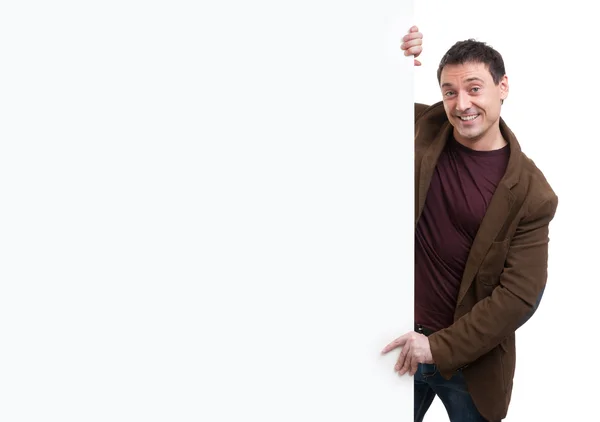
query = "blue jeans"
{"x": 453, "y": 394}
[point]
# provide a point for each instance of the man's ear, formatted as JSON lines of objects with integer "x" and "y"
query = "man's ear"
{"x": 503, "y": 85}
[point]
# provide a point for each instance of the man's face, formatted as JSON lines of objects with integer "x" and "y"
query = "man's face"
{"x": 472, "y": 101}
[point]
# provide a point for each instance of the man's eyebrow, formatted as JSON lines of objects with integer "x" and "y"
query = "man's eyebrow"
{"x": 471, "y": 79}
{"x": 474, "y": 78}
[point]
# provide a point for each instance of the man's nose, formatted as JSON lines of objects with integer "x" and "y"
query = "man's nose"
{"x": 463, "y": 102}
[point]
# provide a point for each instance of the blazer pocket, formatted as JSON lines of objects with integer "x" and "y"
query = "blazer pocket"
{"x": 488, "y": 280}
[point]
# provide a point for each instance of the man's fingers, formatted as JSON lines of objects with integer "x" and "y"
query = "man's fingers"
{"x": 412, "y": 36}
{"x": 399, "y": 342}
{"x": 390, "y": 347}
{"x": 415, "y": 349}
{"x": 414, "y": 365}
{"x": 412, "y": 44}
{"x": 408, "y": 44}
{"x": 405, "y": 366}
{"x": 402, "y": 358}
{"x": 413, "y": 51}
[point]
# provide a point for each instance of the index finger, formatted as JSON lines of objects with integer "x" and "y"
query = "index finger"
{"x": 399, "y": 342}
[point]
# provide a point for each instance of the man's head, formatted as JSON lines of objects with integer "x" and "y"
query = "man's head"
{"x": 474, "y": 85}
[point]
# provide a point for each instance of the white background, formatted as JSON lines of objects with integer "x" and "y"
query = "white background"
{"x": 549, "y": 49}
{"x": 205, "y": 213}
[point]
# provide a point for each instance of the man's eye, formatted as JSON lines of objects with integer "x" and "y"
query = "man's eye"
{"x": 449, "y": 93}
{"x": 475, "y": 89}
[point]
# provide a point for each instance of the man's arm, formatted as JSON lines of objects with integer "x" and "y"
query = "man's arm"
{"x": 497, "y": 316}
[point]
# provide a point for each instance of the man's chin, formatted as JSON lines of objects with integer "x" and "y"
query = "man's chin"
{"x": 469, "y": 134}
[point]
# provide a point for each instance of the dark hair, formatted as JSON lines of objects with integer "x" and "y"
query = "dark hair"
{"x": 471, "y": 51}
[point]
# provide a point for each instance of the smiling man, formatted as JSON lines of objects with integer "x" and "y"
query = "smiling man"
{"x": 473, "y": 93}
{"x": 482, "y": 215}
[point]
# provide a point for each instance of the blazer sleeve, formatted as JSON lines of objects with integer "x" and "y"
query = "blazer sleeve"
{"x": 500, "y": 314}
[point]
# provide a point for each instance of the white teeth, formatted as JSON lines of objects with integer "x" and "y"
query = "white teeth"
{"x": 469, "y": 117}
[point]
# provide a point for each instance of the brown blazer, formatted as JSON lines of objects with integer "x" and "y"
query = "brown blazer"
{"x": 505, "y": 272}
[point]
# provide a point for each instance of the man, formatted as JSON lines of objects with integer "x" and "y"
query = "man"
{"x": 482, "y": 215}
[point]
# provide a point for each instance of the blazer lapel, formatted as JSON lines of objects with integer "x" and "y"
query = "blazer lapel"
{"x": 495, "y": 217}
{"x": 427, "y": 167}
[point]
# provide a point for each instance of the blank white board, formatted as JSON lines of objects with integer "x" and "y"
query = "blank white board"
{"x": 208, "y": 211}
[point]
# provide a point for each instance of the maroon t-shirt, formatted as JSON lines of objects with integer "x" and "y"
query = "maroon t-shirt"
{"x": 461, "y": 189}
